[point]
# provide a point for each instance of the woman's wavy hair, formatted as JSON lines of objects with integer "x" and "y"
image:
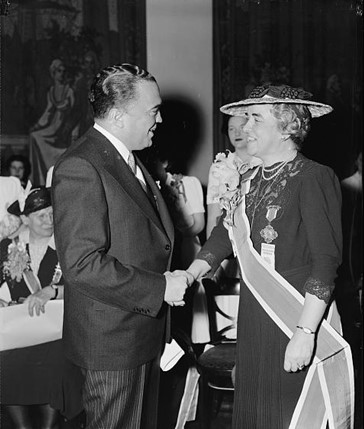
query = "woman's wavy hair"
{"x": 116, "y": 86}
{"x": 295, "y": 119}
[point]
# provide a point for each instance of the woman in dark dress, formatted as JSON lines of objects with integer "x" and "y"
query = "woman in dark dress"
{"x": 35, "y": 376}
{"x": 293, "y": 208}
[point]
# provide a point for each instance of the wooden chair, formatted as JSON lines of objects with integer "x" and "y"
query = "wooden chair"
{"x": 215, "y": 365}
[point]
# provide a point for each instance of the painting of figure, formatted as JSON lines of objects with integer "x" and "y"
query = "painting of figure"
{"x": 55, "y": 129}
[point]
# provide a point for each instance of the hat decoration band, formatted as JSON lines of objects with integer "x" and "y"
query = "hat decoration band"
{"x": 282, "y": 91}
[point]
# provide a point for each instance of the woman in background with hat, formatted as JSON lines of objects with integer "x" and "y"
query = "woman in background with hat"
{"x": 292, "y": 212}
{"x": 33, "y": 375}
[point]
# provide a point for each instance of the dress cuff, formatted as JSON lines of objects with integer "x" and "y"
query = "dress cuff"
{"x": 318, "y": 288}
{"x": 208, "y": 257}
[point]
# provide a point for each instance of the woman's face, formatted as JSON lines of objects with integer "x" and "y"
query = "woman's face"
{"x": 264, "y": 136}
{"x": 59, "y": 73}
{"x": 17, "y": 169}
{"x": 238, "y": 138}
{"x": 40, "y": 222}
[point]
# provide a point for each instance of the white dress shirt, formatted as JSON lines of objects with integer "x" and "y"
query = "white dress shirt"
{"x": 121, "y": 148}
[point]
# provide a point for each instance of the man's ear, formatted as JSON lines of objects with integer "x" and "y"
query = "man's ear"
{"x": 116, "y": 116}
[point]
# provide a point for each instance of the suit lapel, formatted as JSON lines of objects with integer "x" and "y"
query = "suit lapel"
{"x": 108, "y": 158}
{"x": 161, "y": 205}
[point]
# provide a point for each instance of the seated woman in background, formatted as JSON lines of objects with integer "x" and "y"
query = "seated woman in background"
{"x": 19, "y": 166}
{"x": 34, "y": 375}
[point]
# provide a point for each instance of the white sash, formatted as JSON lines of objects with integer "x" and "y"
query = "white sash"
{"x": 328, "y": 390}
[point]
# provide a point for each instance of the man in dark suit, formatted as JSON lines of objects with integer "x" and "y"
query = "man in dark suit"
{"x": 115, "y": 241}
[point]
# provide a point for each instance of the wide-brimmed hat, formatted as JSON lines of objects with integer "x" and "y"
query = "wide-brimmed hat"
{"x": 38, "y": 198}
{"x": 270, "y": 94}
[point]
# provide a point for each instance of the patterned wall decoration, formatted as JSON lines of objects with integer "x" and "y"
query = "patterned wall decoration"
{"x": 50, "y": 51}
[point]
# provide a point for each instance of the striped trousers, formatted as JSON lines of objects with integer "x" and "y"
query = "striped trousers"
{"x": 126, "y": 399}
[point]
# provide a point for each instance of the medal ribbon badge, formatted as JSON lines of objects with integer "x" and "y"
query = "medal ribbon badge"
{"x": 268, "y": 233}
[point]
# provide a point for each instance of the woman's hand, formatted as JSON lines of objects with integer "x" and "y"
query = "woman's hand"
{"x": 37, "y": 300}
{"x": 299, "y": 351}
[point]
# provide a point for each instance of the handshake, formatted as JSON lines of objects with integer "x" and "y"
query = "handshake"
{"x": 176, "y": 284}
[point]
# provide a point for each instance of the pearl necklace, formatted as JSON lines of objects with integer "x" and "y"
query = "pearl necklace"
{"x": 280, "y": 167}
{"x": 269, "y": 170}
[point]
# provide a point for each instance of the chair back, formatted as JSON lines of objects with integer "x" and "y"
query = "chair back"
{"x": 214, "y": 289}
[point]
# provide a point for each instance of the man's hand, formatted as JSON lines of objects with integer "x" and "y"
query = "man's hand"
{"x": 177, "y": 283}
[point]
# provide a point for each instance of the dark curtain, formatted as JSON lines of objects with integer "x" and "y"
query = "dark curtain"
{"x": 315, "y": 44}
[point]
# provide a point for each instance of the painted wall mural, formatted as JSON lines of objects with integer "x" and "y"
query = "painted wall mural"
{"x": 50, "y": 52}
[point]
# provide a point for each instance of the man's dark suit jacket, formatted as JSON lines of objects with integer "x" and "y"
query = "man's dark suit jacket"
{"x": 114, "y": 247}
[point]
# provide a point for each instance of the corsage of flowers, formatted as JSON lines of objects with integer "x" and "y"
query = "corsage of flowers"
{"x": 227, "y": 173}
{"x": 175, "y": 182}
{"x": 18, "y": 261}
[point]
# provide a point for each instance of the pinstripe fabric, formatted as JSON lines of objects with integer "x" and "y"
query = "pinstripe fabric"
{"x": 121, "y": 399}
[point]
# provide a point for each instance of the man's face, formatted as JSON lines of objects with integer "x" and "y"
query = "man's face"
{"x": 142, "y": 116}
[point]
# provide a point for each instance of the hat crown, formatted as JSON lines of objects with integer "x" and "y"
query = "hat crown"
{"x": 280, "y": 91}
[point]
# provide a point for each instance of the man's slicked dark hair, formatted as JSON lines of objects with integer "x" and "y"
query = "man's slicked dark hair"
{"x": 115, "y": 86}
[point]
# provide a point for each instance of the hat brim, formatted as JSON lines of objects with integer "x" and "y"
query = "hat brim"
{"x": 14, "y": 208}
{"x": 239, "y": 108}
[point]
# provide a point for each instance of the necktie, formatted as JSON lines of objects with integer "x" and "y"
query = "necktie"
{"x": 133, "y": 168}
{"x": 146, "y": 189}
{"x": 132, "y": 163}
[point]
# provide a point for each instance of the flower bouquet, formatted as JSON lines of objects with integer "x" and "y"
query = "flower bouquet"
{"x": 18, "y": 260}
{"x": 228, "y": 189}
